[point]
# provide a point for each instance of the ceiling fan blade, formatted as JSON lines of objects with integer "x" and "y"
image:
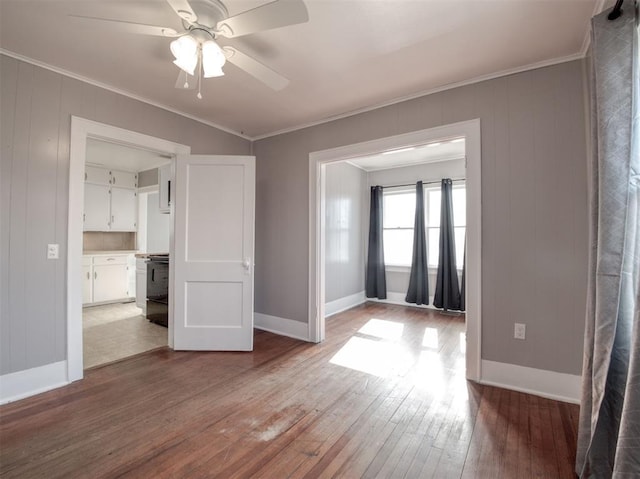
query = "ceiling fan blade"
{"x": 184, "y": 10}
{"x": 256, "y": 69}
{"x": 186, "y": 81}
{"x": 130, "y": 27}
{"x": 278, "y": 13}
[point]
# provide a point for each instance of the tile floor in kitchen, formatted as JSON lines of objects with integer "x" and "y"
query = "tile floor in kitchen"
{"x": 116, "y": 331}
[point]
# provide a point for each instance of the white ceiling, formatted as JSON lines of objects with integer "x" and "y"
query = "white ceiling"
{"x": 120, "y": 157}
{"x": 351, "y": 55}
{"x": 430, "y": 153}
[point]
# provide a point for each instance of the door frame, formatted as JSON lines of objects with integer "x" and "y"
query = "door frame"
{"x": 318, "y": 160}
{"x": 81, "y": 130}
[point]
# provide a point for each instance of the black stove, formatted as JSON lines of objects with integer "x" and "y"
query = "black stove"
{"x": 158, "y": 289}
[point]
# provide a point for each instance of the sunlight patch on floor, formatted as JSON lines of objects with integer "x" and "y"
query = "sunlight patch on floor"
{"x": 430, "y": 338}
{"x": 378, "y": 358}
{"x": 383, "y": 329}
{"x": 378, "y": 348}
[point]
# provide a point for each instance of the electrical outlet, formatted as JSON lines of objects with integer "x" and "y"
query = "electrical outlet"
{"x": 53, "y": 251}
{"x": 519, "y": 331}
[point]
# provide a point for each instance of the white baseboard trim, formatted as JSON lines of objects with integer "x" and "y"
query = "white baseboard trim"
{"x": 342, "y": 304}
{"x": 398, "y": 298}
{"x": 281, "y": 326}
{"x": 22, "y": 384}
{"x": 539, "y": 382}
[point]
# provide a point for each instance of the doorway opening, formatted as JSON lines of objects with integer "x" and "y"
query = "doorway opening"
{"x": 84, "y": 135}
{"x": 124, "y": 222}
{"x": 468, "y": 131}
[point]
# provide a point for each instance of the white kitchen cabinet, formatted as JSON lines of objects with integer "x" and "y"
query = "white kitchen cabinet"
{"x": 110, "y": 200}
{"x": 164, "y": 183}
{"x": 97, "y": 207}
{"x": 97, "y": 175}
{"x": 131, "y": 276}
{"x": 124, "y": 179}
{"x": 108, "y": 278}
{"x": 87, "y": 280}
{"x": 109, "y": 282}
{"x": 141, "y": 283}
{"x": 124, "y": 209}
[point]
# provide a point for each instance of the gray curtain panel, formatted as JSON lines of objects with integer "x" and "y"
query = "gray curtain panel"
{"x": 418, "y": 291}
{"x": 376, "y": 281}
{"x": 609, "y": 430}
{"x": 447, "y": 295}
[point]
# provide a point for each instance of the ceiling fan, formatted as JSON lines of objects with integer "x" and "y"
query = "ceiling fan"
{"x": 196, "y": 50}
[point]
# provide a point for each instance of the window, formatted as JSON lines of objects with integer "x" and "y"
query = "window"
{"x": 399, "y": 211}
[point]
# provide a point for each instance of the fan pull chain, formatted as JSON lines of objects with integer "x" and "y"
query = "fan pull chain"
{"x": 199, "y": 95}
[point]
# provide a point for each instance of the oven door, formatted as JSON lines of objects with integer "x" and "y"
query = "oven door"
{"x": 158, "y": 281}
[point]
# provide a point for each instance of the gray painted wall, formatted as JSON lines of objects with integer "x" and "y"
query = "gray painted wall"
{"x": 148, "y": 178}
{"x": 398, "y": 279}
{"x": 534, "y": 194}
{"x": 344, "y": 254}
{"x": 36, "y": 107}
{"x": 534, "y": 197}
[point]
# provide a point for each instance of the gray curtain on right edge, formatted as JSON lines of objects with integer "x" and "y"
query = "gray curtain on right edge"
{"x": 609, "y": 428}
{"x": 447, "y": 294}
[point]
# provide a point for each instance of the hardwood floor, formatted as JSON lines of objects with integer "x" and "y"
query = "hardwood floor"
{"x": 383, "y": 396}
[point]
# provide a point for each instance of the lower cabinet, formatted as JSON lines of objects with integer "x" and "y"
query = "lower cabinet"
{"x": 87, "y": 280}
{"x": 141, "y": 283}
{"x": 107, "y": 278}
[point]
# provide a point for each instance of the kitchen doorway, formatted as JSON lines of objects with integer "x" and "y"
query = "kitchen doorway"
{"x": 125, "y": 220}
{"x": 84, "y": 132}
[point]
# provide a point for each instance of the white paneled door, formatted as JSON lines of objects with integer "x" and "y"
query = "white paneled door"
{"x": 212, "y": 261}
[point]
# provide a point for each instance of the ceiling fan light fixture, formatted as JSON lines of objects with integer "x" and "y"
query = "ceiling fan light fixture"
{"x": 185, "y": 51}
{"x": 187, "y": 64}
{"x": 213, "y": 59}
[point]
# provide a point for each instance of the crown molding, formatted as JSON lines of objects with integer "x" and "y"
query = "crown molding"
{"x": 413, "y": 96}
{"x": 599, "y": 6}
{"x": 125, "y": 93}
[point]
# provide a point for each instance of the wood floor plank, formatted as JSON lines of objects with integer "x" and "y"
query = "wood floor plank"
{"x": 384, "y": 396}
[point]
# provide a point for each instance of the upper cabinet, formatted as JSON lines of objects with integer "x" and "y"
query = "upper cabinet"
{"x": 124, "y": 179}
{"x": 110, "y": 200}
{"x": 164, "y": 183}
{"x": 97, "y": 207}
{"x": 97, "y": 175}
{"x": 124, "y": 209}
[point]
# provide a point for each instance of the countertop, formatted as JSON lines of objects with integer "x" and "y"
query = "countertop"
{"x": 97, "y": 252}
{"x": 146, "y": 255}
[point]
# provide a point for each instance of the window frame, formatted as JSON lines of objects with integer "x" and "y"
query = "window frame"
{"x": 396, "y": 191}
{"x": 394, "y": 267}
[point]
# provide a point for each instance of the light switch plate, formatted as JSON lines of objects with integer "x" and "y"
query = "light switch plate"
{"x": 519, "y": 331}
{"x": 53, "y": 251}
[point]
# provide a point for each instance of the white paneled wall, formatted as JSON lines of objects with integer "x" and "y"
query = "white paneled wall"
{"x": 344, "y": 235}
